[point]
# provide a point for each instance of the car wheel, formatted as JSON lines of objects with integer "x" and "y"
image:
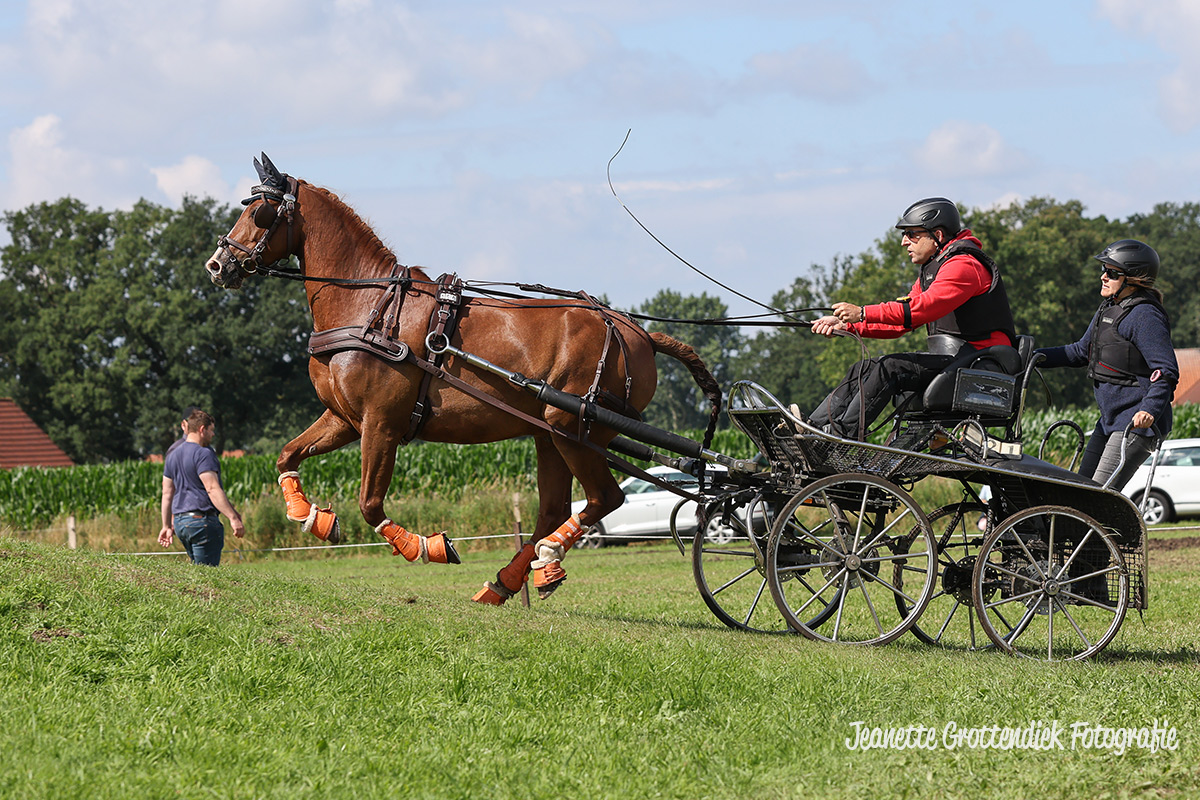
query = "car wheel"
{"x": 1157, "y": 508}
{"x": 718, "y": 532}
{"x": 592, "y": 538}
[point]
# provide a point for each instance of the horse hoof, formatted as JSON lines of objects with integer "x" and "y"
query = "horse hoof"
{"x": 548, "y": 577}
{"x": 492, "y": 595}
{"x": 441, "y": 550}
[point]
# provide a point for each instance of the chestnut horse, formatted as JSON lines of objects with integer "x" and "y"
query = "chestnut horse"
{"x": 353, "y": 280}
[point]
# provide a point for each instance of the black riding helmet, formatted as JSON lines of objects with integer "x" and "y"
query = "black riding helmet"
{"x": 930, "y": 213}
{"x": 1136, "y": 259}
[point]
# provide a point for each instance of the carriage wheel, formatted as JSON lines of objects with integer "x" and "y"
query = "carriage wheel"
{"x": 949, "y": 619}
{"x": 1050, "y": 583}
{"x": 731, "y": 576}
{"x": 832, "y": 555}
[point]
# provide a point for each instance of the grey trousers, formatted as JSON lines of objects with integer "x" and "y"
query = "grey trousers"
{"x": 1103, "y": 453}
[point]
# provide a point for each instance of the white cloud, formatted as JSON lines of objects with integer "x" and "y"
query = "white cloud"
{"x": 193, "y": 175}
{"x": 964, "y": 149}
{"x": 1175, "y": 26}
{"x": 817, "y": 71}
{"x": 43, "y": 167}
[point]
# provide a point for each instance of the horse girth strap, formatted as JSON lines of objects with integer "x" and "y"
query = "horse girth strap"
{"x": 442, "y": 323}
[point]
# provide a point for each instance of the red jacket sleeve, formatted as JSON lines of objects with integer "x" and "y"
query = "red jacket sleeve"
{"x": 958, "y": 280}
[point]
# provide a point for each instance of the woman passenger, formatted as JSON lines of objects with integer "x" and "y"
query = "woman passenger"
{"x": 1130, "y": 359}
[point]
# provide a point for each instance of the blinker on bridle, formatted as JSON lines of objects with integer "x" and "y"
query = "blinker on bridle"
{"x": 267, "y": 216}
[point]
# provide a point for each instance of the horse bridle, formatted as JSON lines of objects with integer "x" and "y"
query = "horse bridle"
{"x": 265, "y": 216}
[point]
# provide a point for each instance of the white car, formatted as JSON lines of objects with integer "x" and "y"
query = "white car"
{"x": 646, "y": 512}
{"x": 1175, "y": 491}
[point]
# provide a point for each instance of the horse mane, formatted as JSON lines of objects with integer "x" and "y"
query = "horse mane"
{"x": 356, "y": 224}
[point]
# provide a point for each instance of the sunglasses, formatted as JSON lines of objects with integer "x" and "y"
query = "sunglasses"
{"x": 912, "y": 235}
{"x": 1112, "y": 274}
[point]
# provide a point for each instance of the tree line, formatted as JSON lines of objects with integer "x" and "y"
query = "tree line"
{"x": 109, "y": 326}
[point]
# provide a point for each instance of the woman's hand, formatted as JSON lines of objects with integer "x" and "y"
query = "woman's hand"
{"x": 1143, "y": 419}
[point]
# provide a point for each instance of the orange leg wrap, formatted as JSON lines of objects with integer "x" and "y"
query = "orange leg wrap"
{"x": 320, "y": 522}
{"x": 436, "y": 548}
{"x": 298, "y": 506}
{"x": 547, "y": 569}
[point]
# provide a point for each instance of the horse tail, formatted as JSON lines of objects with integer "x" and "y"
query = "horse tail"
{"x": 671, "y": 346}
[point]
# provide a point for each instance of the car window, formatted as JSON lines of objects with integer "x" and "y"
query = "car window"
{"x": 639, "y": 486}
{"x": 1182, "y": 457}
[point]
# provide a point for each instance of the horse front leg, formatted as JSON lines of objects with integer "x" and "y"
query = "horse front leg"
{"x": 327, "y": 434}
{"x": 378, "y": 464}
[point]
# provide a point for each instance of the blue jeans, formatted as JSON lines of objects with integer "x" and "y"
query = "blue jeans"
{"x": 202, "y": 537}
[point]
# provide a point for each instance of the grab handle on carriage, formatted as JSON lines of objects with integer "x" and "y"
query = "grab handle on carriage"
{"x": 1050, "y": 431}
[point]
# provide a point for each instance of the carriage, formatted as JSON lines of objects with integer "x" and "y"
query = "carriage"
{"x": 830, "y": 532}
{"x": 1045, "y": 564}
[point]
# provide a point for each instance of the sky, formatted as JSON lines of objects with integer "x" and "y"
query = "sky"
{"x": 475, "y": 137}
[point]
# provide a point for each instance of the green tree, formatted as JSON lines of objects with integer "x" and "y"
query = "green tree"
{"x": 679, "y": 404}
{"x": 786, "y": 360}
{"x": 1174, "y": 231}
{"x": 114, "y": 329}
{"x": 1044, "y": 249}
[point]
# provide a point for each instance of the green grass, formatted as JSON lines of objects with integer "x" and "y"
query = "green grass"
{"x": 369, "y": 677}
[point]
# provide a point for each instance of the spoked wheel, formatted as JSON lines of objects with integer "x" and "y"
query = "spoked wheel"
{"x": 949, "y": 619}
{"x": 1049, "y": 583}
{"x": 731, "y": 575}
{"x": 834, "y": 551}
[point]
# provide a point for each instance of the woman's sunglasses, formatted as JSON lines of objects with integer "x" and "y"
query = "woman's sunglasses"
{"x": 1112, "y": 274}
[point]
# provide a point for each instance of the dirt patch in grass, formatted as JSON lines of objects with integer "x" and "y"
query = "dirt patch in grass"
{"x": 1181, "y": 543}
{"x": 50, "y": 634}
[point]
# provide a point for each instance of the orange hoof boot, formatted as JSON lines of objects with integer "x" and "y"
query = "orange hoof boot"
{"x": 440, "y": 550}
{"x": 323, "y": 524}
{"x": 492, "y": 594}
{"x": 548, "y": 576}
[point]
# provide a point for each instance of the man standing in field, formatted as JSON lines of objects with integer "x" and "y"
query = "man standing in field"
{"x": 192, "y": 495}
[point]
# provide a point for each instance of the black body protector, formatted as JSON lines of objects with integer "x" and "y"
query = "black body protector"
{"x": 1111, "y": 357}
{"x": 983, "y": 313}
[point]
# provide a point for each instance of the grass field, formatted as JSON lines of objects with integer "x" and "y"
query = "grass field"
{"x": 366, "y": 676}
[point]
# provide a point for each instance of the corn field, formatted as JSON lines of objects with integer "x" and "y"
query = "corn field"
{"x": 34, "y": 496}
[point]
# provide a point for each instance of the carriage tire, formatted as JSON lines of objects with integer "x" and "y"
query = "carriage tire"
{"x": 1034, "y": 598}
{"x": 731, "y": 577}
{"x": 832, "y": 554}
{"x": 949, "y": 618}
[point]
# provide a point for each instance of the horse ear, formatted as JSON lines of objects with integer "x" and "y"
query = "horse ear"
{"x": 262, "y": 173}
{"x": 271, "y": 170}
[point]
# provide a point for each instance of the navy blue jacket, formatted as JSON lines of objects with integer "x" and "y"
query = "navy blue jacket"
{"x": 1150, "y": 331}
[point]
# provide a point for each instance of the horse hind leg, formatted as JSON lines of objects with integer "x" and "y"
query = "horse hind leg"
{"x": 603, "y": 496}
{"x": 554, "y": 502}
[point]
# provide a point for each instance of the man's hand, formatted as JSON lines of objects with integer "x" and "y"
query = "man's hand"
{"x": 239, "y": 527}
{"x": 848, "y": 312}
{"x": 1143, "y": 419}
{"x": 827, "y": 326}
{"x": 166, "y": 536}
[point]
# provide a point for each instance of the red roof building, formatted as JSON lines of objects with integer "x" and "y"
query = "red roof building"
{"x": 23, "y": 443}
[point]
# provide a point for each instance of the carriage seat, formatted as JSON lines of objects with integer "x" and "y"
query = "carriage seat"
{"x": 939, "y": 395}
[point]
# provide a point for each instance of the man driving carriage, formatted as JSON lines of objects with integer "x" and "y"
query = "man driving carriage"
{"x": 958, "y": 296}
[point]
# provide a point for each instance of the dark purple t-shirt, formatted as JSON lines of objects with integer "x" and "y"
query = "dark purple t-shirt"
{"x": 183, "y": 466}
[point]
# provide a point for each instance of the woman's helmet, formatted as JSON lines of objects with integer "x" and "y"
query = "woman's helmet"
{"x": 1136, "y": 259}
{"x": 930, "y": 213}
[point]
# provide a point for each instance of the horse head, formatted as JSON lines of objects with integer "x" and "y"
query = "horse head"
{"x": 256, "y": 240}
